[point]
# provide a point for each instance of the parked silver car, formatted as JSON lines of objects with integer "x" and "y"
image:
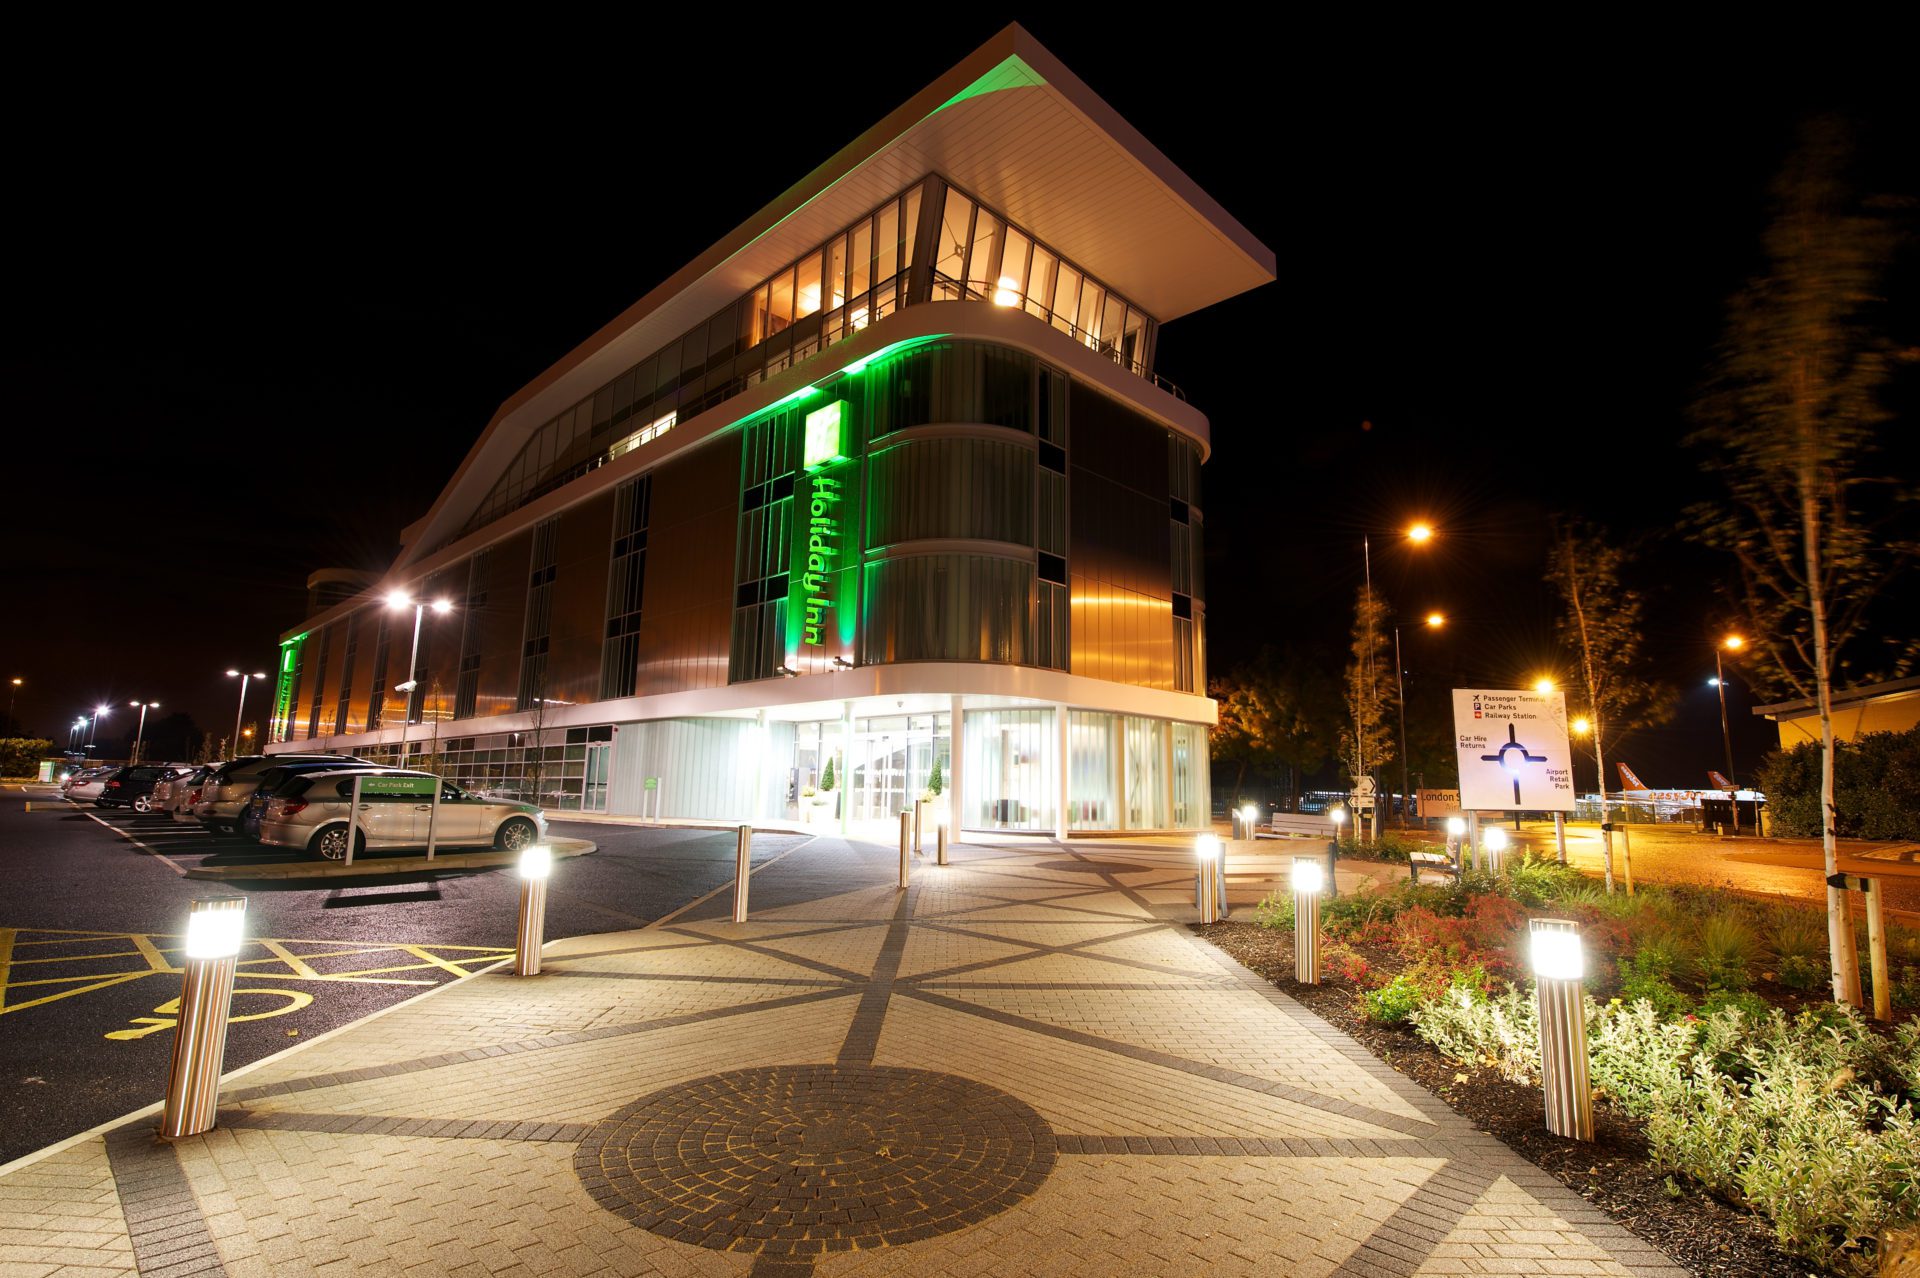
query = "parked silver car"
{"x": 309, "y": 812}
{"x": 173, "y": 795}
{"x": 89, "y": 783}
{"x": 229, "y": 786}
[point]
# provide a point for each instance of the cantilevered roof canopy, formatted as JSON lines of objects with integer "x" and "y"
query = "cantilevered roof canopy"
{"x": 1010, "y": 125}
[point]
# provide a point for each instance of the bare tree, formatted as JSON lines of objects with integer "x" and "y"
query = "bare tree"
{"x": 1367, "y": 739}
{"x": 1601, "y": 623}
{"x": 1788, "y": 422}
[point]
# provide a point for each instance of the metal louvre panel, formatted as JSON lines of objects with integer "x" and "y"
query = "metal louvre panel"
{"x": 935, "y": 488}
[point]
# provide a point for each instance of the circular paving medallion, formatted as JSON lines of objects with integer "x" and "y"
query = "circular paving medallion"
{"x": 804, "y": 1159}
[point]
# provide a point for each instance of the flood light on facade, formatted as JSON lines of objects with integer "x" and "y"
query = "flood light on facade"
{"x": 1308, "y": 874}
{"x": 824, "y": 435}
{"x": 215, "y": 929}
{"x": 1556, "y": 951}
{"x": 536, "y": 862}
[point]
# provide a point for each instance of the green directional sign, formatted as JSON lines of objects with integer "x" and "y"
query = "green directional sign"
{"x": 399, "y": 785}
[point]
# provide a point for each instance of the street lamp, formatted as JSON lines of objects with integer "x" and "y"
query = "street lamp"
{"x": 241, "y": 711}
{"x": 1419, "y": 533}
{"x": 141, "y": 731}
{"x": 1732, "y": 643}
{"x": 73, "y": 733}
{"x": 13, "y": 695}
{"x": 94, "y": 731}
{"x": 1435, "y": 620}
{"x": 401, "y": 599}
{"x": 1543, "y": 685}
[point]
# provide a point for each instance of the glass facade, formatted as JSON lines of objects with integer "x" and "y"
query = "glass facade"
{"x": 1012, "y": 772}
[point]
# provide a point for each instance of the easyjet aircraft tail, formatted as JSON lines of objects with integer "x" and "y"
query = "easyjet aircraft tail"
{"x": 1628, "y": 781}
{"x": 1719, "y": 782}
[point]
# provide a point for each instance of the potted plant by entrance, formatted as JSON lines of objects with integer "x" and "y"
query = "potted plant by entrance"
{"x": 933, "y": 794}
{"x": 821, "y": 804}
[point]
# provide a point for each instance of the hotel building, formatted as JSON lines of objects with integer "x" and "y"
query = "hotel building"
{"x": 883, "y": 483}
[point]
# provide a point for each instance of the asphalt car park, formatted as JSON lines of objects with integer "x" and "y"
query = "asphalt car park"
{"x": 91, "y": 923}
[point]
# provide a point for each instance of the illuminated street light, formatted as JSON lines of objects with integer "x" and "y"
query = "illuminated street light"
{"x": 1420, "y": 534}
{"x": 401, "y": 599}
{"x": 1543, "y": 685}
{"x": 140, "y": 732}
{"x": 1581, "y": 727}
{"x": 240, "y": 711}
{"x": 1732, "y": 643}
{"x": 93, "y": 732}
{"x": 13, "y": 695}
{"x": 1559, "y": 965}
{"x": 1436, "y": 620}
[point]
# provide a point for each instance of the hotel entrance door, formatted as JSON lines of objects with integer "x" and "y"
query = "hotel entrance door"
{"x": 893, "y": 761}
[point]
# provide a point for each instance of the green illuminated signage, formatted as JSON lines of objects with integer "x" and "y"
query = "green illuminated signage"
{"x": 398, "y": 785}
{"x": 825, "y": 437}
{"x": 816, "y": 556}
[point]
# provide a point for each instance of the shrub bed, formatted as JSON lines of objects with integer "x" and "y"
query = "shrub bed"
{"x": 1715, "y": 1058}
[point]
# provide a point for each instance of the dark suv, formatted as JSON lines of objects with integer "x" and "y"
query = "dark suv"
{"x": 132, "y": 787}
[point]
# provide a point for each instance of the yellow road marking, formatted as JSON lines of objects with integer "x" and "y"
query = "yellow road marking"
{"x": 88, "y": 989}
{"x": 6, "y": 961}
{"x": 169, "y": 1013}
{"x": 292, "y": 960}
{"x": 151, "y": 952}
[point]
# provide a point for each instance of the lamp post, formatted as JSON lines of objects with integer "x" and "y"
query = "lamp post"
{"x": 73, "y": 733}
{"x": 401, "y": 599}
{"x": 1732, "y": 643}
{"x": 1559, "y": 964}
{"x": 1434, "y": 621}
{"x": 241, "y": 710}
{"x": 94, "y": 731}
{"x": 1338, "y": 816}
{"x": 140, "y": 732}
{"x": 1419, "y": 534}
{"x": 13, "y": 695}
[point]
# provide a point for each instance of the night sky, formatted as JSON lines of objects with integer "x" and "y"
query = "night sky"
{"x": 255, "y": 319}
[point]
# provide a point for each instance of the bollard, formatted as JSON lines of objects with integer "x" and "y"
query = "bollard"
{"x": 1560, "y": 835}
{"x": 1473, "y": 841}
{"x": 906, "y": 844}
{"x": 940, "y": 842}
{"x": 1207, "y": 849}
{"x": 742, "y": 866}
{"x": 1456, "y": 828}
{"x": 215, "y": 929}
{"x": 1496, "y": 845}
{"x": 536, "y": 863}
{"x": 1558, "y": 966}
{"x": 1307, "y": 882}
{"x": 918, "y": 842}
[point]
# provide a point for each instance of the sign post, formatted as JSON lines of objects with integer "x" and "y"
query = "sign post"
{"x": 1513, "y": 751}
{"x": 392, "y": 787}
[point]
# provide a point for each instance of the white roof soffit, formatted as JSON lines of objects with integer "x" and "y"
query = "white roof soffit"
{"x": 1011, "y": 125}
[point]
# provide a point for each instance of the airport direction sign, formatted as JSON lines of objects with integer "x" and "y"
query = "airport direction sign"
{"x": 1513, "y": 750}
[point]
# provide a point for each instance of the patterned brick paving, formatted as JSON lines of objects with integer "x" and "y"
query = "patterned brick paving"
{"x": 1024, "y": 1065}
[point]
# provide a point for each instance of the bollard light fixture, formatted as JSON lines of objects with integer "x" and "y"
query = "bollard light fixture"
{"x": 1308, "y": 874}
{"x": 536, "y": 862}
{"x": 1556, "y": 953}
{"x": 1338, "y": 816}
{"x": 1207, "y": 847}
{"x": 1456, "y": 827}
{"x": 1249, "y": 814}
{"x": 216, "y": 929}
{"x": 1494, "y": 840}
{"x": 1308, "y": 879}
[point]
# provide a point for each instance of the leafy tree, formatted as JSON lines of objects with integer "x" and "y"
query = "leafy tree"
{"x": 1367, "y": 739}
{"x": 1276, "y": 714}
{"x": 20, "y": 756}
{"x": 936, "y": 782}
{"x": 1787, "y": 421}
{"x": 826, "y": 778}
{"x": 1601, "y": 622}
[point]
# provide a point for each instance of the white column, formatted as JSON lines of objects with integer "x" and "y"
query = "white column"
{"x": 843, "y": 777}
{"x": 957, "y": 752}
{"x": 1060, "y": 822}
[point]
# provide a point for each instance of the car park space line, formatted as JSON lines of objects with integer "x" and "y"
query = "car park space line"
{"x": 174, "y": 865}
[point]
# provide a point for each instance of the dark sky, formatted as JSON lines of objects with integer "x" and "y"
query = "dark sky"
{"x": 255, "y": 318}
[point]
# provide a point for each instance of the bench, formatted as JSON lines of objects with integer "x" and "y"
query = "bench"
{"x": 1438, "y": 861}
{"x": 1289, "y": 825}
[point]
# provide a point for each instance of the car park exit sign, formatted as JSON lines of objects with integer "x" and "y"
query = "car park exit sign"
{"x": 398, "y": 785}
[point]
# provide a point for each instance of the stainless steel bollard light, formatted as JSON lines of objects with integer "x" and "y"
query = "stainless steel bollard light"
{"x": 1456, "y": 830}
{"x": 1308, "y": 881}
{"x": 1249, "y": 816}
{"x": 1559, "y": 963}
{"x": 919, "y": 843}
{"x": 216, "y": 928}
{"x": 1206, "y": 849}
{"x": 536, "y": 863}
{"x": 742, "y": 865}
{"x": 906, "y": 844}
{"x": 1495, "y": 843}
{"x": 940, "y": 842}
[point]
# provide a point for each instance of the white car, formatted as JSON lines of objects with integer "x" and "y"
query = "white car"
{"x": 229, "y": 785}
{"x": 88, "y": 784}
{"x": 309, "y": 812}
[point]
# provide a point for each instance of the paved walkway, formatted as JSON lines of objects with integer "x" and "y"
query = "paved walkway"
{"x": 1024, "y": 1065}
